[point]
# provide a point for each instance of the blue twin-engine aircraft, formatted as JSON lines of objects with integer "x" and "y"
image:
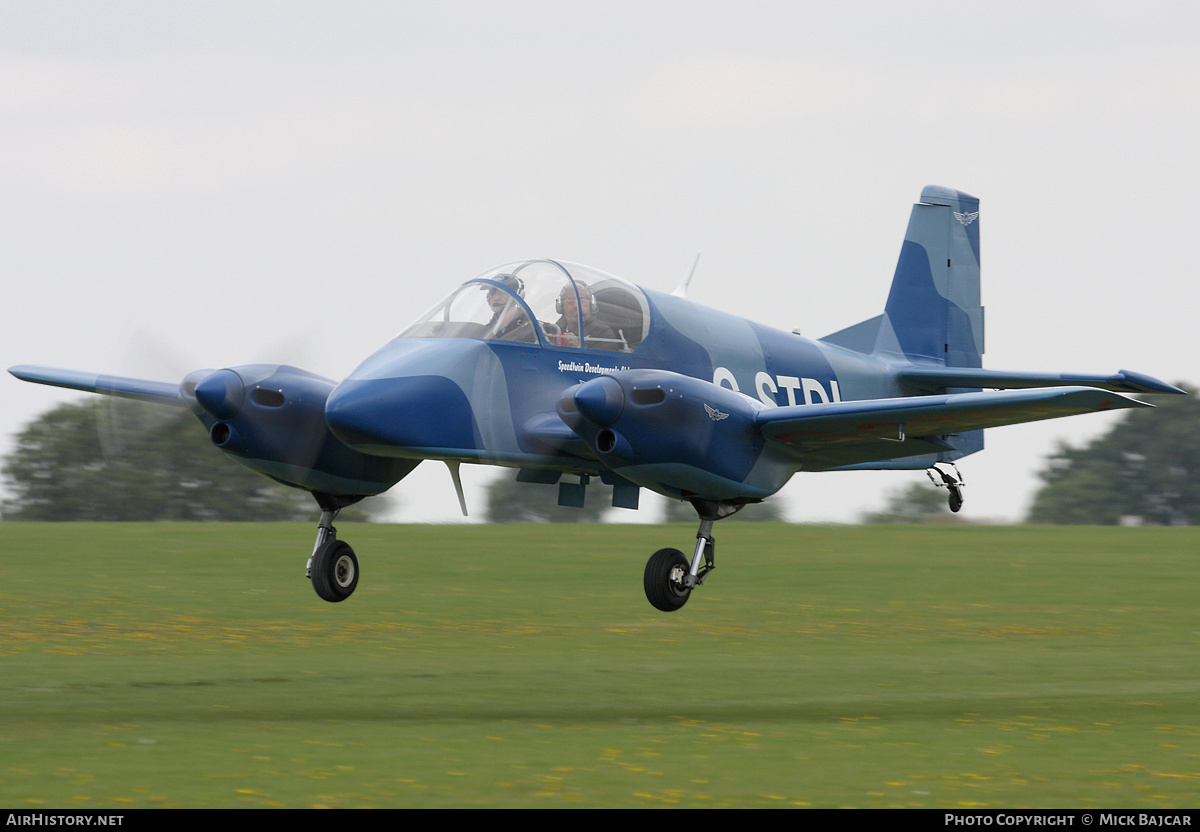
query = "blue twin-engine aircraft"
{"x": 564, "y": 371}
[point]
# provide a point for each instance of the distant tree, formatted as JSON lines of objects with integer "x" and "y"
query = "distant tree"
{"x": 1147, "y": 468}
{"x": 681, "y": 511}
{"x": 509, "y": 501}
{"x": 919, "y": 502}
{"x": 140, "y": 462}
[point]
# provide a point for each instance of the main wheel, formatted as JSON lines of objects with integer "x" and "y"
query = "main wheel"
{"x": 665, "y": 572}
{"x": 335, "y": 571}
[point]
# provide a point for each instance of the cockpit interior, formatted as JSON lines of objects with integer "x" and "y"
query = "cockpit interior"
{"x": 546, "y": 302}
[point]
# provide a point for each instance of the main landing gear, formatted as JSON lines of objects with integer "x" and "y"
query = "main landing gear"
{"x": 950, "y": 479}
{"x": 670, "y": 577}
{"x": 333, "y": 566}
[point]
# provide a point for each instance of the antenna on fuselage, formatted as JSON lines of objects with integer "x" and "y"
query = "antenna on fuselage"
{"x": 462, "y": 498}
{"x": 681, "y": 289}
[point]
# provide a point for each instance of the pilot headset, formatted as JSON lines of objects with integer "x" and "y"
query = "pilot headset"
{"x": 585, "y": 291}
{"x": 511, "y": 281}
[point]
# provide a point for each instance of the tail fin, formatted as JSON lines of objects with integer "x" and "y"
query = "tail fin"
{"x": 933, "y": 314}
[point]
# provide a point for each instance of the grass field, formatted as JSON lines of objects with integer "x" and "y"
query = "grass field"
{"x": 192, "y": 665}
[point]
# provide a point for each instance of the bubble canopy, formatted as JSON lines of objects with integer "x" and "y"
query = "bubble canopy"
{"x": 546, "y": 302}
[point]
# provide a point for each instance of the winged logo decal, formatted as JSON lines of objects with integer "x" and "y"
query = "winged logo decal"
{"x": 965, "y": 218}
{"x": 715, "y": 414}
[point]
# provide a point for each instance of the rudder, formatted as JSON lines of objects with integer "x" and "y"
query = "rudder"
{"x": 933, "y": 309}
{"x": 933, "y": 313}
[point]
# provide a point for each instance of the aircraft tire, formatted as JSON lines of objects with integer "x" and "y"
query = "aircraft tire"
{"x": 335, "y": 571}
{"x": 664, "y": 580}
{"x": 956, "y": 500}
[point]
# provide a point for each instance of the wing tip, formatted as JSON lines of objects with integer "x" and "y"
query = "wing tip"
{"x": 130, "y": 388}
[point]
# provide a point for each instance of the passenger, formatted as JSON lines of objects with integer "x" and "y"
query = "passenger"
{"x": 597, "y": 335}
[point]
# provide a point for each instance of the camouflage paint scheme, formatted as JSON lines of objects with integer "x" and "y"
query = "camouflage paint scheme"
{"x": 665, "y": 394}
{"x": 901, "y": 390}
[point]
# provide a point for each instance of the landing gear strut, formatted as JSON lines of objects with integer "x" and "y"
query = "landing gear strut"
{"x": 333, "y": 566}
{"x": 670, "y": 577}
{"x": 950, "y": 479}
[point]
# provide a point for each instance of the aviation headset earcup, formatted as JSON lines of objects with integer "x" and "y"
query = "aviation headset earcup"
{"x": 588, "y": 293}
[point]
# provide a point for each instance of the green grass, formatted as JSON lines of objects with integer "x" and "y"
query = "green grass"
{"x": 192, "y": 665}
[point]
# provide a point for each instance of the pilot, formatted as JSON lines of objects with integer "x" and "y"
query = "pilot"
{"x": 509, "y": 321}
{"x": 597, "y": 334}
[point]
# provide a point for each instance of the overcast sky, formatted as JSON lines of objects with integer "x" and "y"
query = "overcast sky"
{"x": 219, "y": 183}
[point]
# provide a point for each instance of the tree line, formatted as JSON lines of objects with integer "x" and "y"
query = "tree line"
{"x": 110, "y": 459}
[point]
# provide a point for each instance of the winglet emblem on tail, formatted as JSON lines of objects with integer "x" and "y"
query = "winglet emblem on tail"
{"x": 966, "y": 219}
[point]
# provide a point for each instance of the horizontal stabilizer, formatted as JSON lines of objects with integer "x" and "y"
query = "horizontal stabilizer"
{"x": 847, "y": 433}
{"x": 158, "y": 392}
{"x": 936, "y": 378}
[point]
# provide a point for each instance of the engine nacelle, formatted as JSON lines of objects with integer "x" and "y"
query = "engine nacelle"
{"x": 271, "y": 418}
{"x": 673, "y": 434}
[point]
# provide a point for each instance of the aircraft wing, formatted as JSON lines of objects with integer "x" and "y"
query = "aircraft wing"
{"x": 935, "y": 378}
{"x": 846, "y": 433}
{"x": 158, "y": 392}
